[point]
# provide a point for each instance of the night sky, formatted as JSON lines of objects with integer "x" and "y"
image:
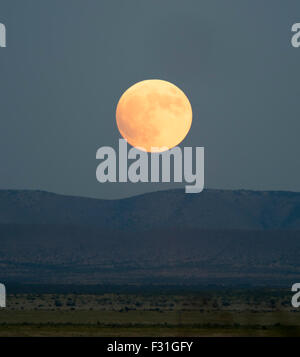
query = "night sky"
{"x": 67, "y": 63}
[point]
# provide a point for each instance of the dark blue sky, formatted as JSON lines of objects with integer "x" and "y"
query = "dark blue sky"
{"x": 68, "y": 61}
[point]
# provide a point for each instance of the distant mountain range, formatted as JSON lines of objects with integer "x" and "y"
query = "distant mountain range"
{"x": 211, "y": 209}
{"x": 164, "y": 237}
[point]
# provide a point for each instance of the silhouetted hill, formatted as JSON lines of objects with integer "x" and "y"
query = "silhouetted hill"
{"x": 211, "y": 209}
{"x": 162, "y": 237}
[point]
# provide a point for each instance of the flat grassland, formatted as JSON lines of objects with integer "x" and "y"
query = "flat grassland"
{"x": 206, "y": 313}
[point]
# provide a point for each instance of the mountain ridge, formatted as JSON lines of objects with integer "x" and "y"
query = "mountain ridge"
{"x": 161, "y": 237}
{"x": 211, "y": 209}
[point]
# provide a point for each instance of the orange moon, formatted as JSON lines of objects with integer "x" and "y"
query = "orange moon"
{"x": 154, "y": 115}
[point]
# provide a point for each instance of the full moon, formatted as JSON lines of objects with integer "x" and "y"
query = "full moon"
{"x": 154, "y": 115}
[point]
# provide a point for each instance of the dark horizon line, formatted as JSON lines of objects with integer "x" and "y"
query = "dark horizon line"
{"x": 151, "y": 192}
